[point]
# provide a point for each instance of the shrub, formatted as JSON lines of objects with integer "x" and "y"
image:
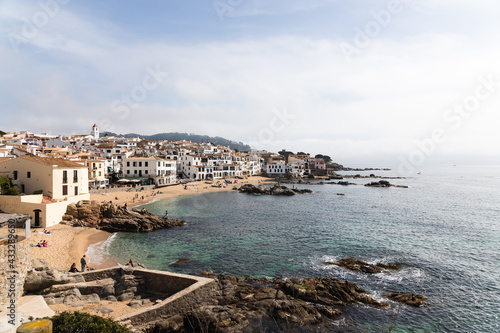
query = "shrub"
{"x": 67, "y": 322}
{"x": 38, "y": 192}
{"x": 7, "y": 188}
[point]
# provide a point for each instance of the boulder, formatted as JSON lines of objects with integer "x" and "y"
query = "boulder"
{"x": 384, "y": 183}
{"x": 113, "y": 218}
{"x": 410, "y": 299}
{"x": 361, "y": 266}
{"x": 274, "y": 190}
{"x": 40, "y": 279}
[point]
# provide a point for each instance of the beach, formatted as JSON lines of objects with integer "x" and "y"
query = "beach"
{"x": 68, "y": 244}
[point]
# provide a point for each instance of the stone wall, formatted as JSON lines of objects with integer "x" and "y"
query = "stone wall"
{"x": 13, "y": 277}
{"x": 187, "y": 292}
{"x": 201, "y": 291}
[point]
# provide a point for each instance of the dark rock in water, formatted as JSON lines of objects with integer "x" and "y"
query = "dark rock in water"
{"x": 384, "y": 183}
{"x": 113, "y": 218}
{"x": 387, "y": 266}
{"x": 151, "y": 256}
{"x": 274, "y": 190}
{"x": 288, "y": 303}
{"x": 410, "y": 299}
{"x": 361, "y": 266}
{"x": 343, "y": 183}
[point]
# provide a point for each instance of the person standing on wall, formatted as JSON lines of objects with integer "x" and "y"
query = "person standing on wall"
{"x": 83, "y": 261}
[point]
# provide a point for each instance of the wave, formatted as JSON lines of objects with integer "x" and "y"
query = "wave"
{"x": 98, "y": 252}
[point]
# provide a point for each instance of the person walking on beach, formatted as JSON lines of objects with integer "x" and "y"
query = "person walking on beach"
{"x": 166, "y": 214}
{"x": 83, "y": 261}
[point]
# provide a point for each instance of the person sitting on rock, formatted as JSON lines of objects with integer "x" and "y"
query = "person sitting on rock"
{"x": 73, "y": 268}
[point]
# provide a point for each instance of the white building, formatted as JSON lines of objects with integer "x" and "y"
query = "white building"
{"x": 95, "y": 132}
{"x": 158, "y": 171}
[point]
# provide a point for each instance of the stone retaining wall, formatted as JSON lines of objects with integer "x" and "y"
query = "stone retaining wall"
{"x": 201, "y": 290}
{"x": 12, "y": 280}
{"x": 187, "y": 291}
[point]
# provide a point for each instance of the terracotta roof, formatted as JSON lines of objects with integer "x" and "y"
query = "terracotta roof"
{"x": 53, "y": 162}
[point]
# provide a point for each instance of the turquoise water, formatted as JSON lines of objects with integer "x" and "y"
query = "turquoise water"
{"x": 444, "y": 232}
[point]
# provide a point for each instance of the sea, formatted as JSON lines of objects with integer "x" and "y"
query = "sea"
{"x": 443, "y": 231}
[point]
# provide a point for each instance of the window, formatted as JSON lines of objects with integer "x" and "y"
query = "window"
{"x": 76, "y": 190}
{"x": 65, "y": 177}
{"x": 15, "y": 175}
{"x": 146, "y": 172}
{"x": 140, "y": 164}
{"x": 75, "y": 176}
{"x": 134, "y": 163}
{"x": 28, "y": 175}
{"x": 100, "y": 173}
{"x": 128, "y": 164}
{"x": 145, "y": 164}
{"x": 65, "y": 189}
{"x": 135, "y": 172}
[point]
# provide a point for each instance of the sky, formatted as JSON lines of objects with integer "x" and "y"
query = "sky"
{"x": 398, "y": 82}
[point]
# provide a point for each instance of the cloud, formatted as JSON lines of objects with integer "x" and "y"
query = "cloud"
{"x": 393, "y": 93}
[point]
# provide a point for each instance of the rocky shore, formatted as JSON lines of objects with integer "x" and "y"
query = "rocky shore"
{"x": 236, "y": 304}
{"x": 112, "y": 218}
{"x": 271, "y": 190}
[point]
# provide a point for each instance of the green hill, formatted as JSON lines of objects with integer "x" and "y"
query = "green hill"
{"x": 216, "y": 140}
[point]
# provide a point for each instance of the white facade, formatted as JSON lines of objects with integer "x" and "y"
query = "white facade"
{"x": 276, "y": 168}
{"x": 95, "y": 132}
{"x": 158, "y": 170}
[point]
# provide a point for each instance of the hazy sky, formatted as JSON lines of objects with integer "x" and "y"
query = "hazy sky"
{"x": 363, "y": 81}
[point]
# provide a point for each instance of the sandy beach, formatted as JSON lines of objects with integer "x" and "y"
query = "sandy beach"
{"x": 68, "y": 244}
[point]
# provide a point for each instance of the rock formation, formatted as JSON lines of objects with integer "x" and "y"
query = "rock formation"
{"x": 242, "y": 304}
{"x": 245, "y": 305}
{"x": 384, "y": 183}
{"x": 113, "y": 218}
{"x": 410, "y": 299}
{"x": 361, "y": 266}
{"x": 274, "y": 190}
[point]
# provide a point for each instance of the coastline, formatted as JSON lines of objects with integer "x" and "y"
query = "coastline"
{"x": 68, "y": 243}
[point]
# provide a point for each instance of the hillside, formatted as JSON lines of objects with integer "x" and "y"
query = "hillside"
{"x": 217, "y": 140}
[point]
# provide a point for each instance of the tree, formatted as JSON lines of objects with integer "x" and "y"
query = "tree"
{"x": 7, "y": 188}
{"x": 285, "y": 153}
{"x": 327, "y": 158}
